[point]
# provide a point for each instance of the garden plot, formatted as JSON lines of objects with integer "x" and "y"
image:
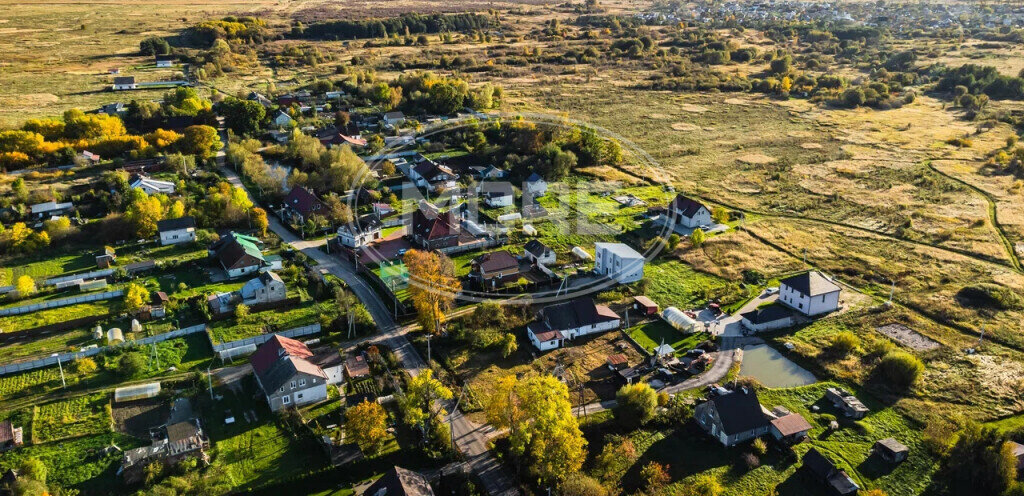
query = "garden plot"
{"x": 71, "y": 418}
{"x": 908, "y": 337}
{"x": 32, "y": 381}
{"x": 135, "y": 418}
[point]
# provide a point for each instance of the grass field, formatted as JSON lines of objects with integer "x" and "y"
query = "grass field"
{"x": 279, "y": 320}
{"x": 78, "y": 463}
{"x": 76, "y": 417}
{"x": 652, "y": 334}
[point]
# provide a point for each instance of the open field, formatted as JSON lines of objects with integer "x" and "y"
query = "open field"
{"x": 76, "y": 417}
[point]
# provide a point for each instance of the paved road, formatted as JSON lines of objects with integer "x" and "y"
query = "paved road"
{"x": 470, "y": 438}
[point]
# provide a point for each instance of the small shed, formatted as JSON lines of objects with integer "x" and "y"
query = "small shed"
{"x": 617, "y": 361}
{"x": 97, "y": 333}
{"x": 581, "y": 254}
{"x": 645, "y": 305}
{"x": 890, "y": 450}
{"x": 529, "y": 230}
{"x": 114, "y": 335}
{"x": 139, "y": 392}
{"x": 790, "y": 428}
{"x": 136, "y": 326}
{"x": 676, "y": 318}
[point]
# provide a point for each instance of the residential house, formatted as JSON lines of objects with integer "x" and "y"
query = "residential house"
{"x": 400, "y": 482}
{"x": 535, "y": 186}
{"x": 496, "y": 194}
{"x": 88, "y": 157}
{"x": 265, "y": 288}
{"x": 890, "y": 450}
{"x": 260, "y": 99}
{"x": 732, "y": 417}
{"x": 395, "y": 118}
{"x": 569, "y": 320}
{"x": 122, "y": 83}
{"x": 619, "y": 262}
{"x": 282, "y": 119}
{"x": 490, "y": 172}
{"x": 10, "y": 436}
{"x": 301, "y": 203}
{"x": 688, "y": 213}
{"x": 221, "y": 302}
{"x": 767, "y": 318}
{"x": 238, "y": 254}
{"x": 360, "y": 232}
{"x": 432, "y": 230}
{"x": 149, "y": 185}
{"x": 165, "y": 60}
{"x": 158, "y": 304}
{"x": 494, "y": 269}
{"x": 790, "y": 428}
{"x": 617, "y": 362}
{"x": 330, "y": 361}
{"x": 539, "y": 252}
{"x": 835, "y": 481}
{"x": 382, "y": 210}
{"x": 117, "y": 108}
{"x": 170, "y": 444}
{"x": 810, "y": 293}
{"x": 646, "y": 306}
{"x": 286, "y": 375}
{"x": 356, "y": 367}
{"x": 50, "y": 209}
{"x": 176, "y": 231}
{"x": 846, "y": 402}
{"x": 432, "y": 175}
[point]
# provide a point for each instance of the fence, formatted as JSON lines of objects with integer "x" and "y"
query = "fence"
{"x": 63, "y": 302}
{"x": 88, "y": 275}
{"x": 67, "y": 357}
{"x": 263, "y": 338}
{"x": 6, "y": 289}
{"x": 483, "y": 243}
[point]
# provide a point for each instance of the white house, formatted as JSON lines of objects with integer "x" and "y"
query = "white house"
{"x": 394, "y": 118}
{"x": 176, "y": 231}
{"x": 124, "y": 83}
{"x": 165, "y": 60}
{"x": 619, "y": 262}
{"x": 767, "y": 318}
{"x": 50, "y": 209}
{"x": 810, "y": 293}
{"x": 689, "y": 213}
{"x": 267, "y": 288}
{"x": 286, "y": 375}
{"x": 535, "y": 186}
{"x": 539, "y": 252}
{"x": 151, "y": 186}
{"x": 360, "y": 232}
{"x": 565, "y": 321}
{"x": 496, "y": 194}
{"x": 430, "y": 174}
{"x": 282, "y": 119}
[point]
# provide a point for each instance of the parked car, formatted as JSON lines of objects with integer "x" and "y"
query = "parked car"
{"x": 771, "y": 291}
{"x": 696, "y": 352}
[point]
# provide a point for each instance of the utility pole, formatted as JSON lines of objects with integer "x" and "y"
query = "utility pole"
{"x": 429, "y": 336}
{"x": 982, "y": 337}
{"x": 209, "y": 379}
{"x": 59, "y": 366}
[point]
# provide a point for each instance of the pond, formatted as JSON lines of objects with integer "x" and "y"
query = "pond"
{"x": 770, "y": 368}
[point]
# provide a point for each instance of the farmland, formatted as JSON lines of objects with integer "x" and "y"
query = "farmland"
{"x": 76, "y": 417}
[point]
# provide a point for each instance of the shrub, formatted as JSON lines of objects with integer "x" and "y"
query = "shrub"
{"x": 84, "y": 366}
{"x": 759, "y": 446}
{"x": 899, "y": 368}
{"x": 844, "y": 343}
{"x": 131, "y": 364}
{"x": 636, "y": 405}
{"x": 654, "y": 476}
{"x": 702, "y": 485}
{"x": 577, "y": 484}
{"x": 990, "y": 296}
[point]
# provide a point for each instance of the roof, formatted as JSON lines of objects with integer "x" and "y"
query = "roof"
{"x": 176, "y": 224}
{"x": 327, "y": 358}
{"x": 6, "y": 432}
{"x": 686, "y": 206}
{"x": 535, "y": 247}
{"x": 124, "y": 80}
{"x": 1018, "y": 449}
{"x": 791, "y": 424}
{"x": 621, "y": 249}
{"x": 739, "y": 411}
{"x": 428, "y": 169}
{"x": 827, "y": 471}
{"x": 236, "y": 248}
{"x": 366, "y": 223}
{"x": 356, "y": 366}
{"x": 617, "y": 359}
{"x": 141, "y": 180}
{"x": 303, "y": 201}
{"x": 276, "y": 347}
{"x": 496, "y": 261}
{"x": 394, "y": 115}
{"x": 645, "y": 301}
{"x": 49, "y": 206}
{"x": 496, "y": 189}
{"x": 400, "y": 482}
{"x": 548, "y": 335}
{"x": 811, "y": 283}
{"x": 165, "y": 57}
{"x": 432, "y": 225}
{"x": 893, "y": 446}
{"x": 534, "y": 178}
{"x": 576, "y": 313}
{"x": 769, "y": 313}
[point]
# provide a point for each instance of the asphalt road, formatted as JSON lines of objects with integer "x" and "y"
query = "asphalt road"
{"x": 471, "y": 439}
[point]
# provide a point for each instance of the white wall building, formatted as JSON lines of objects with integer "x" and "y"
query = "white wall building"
{"x": 689, "y": 213}
{"x": 619, "y": 262}
{"x": 176, "y": 231}
{"x": 151, "y": 186}
{"x": 810, "y": 293}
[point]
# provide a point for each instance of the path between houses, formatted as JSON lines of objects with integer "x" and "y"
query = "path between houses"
{"x": 470, "y": 438}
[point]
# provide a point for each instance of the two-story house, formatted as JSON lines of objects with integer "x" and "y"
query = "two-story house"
{"x": 286, "y": 375}
{"x": 732, "y": 417}
{"x": 558, "y": 323}
{"x": 267, "y": 288}
{"x": 176, "y": 231}
{"x": 360, "y": 232}
{"x": 810, "y": 293}
{"x": 432, "y": 230}
{"x": 619, "y": 262}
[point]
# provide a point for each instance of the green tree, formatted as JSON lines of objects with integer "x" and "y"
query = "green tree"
{"x": 34, "y": 469}
{"x": 135, "y": 297}
{"x": 132, "y": 364}
{"x": 367, "y": 424}
{"x": 697, "y": 237}
{"x": 577, "y": 484}
{"x": 673, "y": 242}
{"x": 509, "y": 345}
{"x": 244, "y": 117}
{"x": 241, "y": 311}
{"x": 981, "y": 462}
{"x": 636, "y": 405}
{"x": 201, "y": 141}
{"x": 421, "y": 403}
{"x": 446, "y": 98}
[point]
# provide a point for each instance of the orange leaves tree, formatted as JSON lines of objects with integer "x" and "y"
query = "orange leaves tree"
{"x": 433, "y": 286}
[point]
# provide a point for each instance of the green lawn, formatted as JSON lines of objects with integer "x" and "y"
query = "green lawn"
{"x": 279, "y": 320}
{"x": 674, "y": 283}
{"x": 650, "y": 335}
{"x": 78, "y": 463}
{"x": 81, "y": 416}
{"x": 55, "y": 315}
{"x": 40, "y": 266}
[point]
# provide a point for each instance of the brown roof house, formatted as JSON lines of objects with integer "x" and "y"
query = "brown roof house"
{"x": 688, "y": 213}
{"x": 565, "y": 321}
{"x": 400, "y": 482}
{"x": 238, "y": 254}
{"x": 791, "y": 428}
{"x": 301, "y": 203}
{"x": 432, "y": 230}
{"x": 732, "y": 417}
{"x": 495, "y": 269}
{"x": 287, "y": 374}
{"x": 10, "y": 436}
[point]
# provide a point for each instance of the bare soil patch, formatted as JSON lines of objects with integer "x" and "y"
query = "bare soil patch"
{"x": 756, "y": 159}
{"x": 135, "y": 418}
{"x": 696, "y": 109}
{"x": 811, "y": 146}
{"x": 908, "y": 337}
{"x": 685, "y": 126}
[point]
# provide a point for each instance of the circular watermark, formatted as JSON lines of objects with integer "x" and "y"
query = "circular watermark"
{"x": 455, "y": 206}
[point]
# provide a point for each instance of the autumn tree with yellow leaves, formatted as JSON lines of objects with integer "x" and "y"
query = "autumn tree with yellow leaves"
{"x": 433, "y": 287}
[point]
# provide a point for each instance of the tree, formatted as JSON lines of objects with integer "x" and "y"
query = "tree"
{"x": 697, "y": 237}
{"x": 654, "y": 476}
{"x": 260, "y": 221}
{"x": 636, "y": 404}
{"x": 84, "y": 366}
{"x": 702, "y": 485}
{"x": 509, "y": 345}
{"x": 900, "y": 369}
{"x": 432, "y": 287}
{"x": 542, "y": 428}
{"x": 981, "y": 462}
{"x": 201, "y": 141}
{"x": 132, "y": 364}
{"x": 615, "y": 459}
{"x": 844, "y": 343}
{"x": 673, "y": 241}
{"x": 367, "y": 424}
{"x": 143, "y": 213}
{"x": 241, "y": 311}
{"x": 244, "y": 117}
{"x": 720, "y": 215}
{"x": 135, "y": 297}
{"x": 154, "y": 45}
{"x": 25, "y": 285}
{"x": 177, "y": 210}
{"x": 421, "y": 402}
{"x": 577, "y": 484}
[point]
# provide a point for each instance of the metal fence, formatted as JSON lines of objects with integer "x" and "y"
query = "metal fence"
{"x": 66, "y": 357}
{"x": 63, "y": 302}
{"x": 263, "y": 338}
{"x": 483, "y": 243}
{"x": 88, "y": 275}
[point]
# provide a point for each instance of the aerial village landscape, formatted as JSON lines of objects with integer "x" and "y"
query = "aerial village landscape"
{"x": 514, "y": 247}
